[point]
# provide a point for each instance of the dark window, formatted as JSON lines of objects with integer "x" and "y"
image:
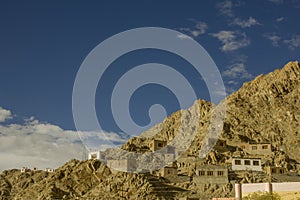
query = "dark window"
{"x": 210, "y": 173}
{"x": 247, "y": 162}
{"x": 265, "y": 147}
{"x": 281, "y": 171}
{"x": 237, "y": 162}
{"x": 201, "y": 173}
{"x": 220, "y": 173}
{"x": 256, "y": 163}
{"x": 160, "y": 144}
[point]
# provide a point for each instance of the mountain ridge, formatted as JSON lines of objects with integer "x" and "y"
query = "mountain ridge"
{"x": 266, "y": 109}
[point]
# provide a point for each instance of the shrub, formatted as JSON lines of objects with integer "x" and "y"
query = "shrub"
{"x": 262, "y": 196}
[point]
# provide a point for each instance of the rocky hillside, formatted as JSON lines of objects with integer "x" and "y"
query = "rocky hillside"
{"x": 266, "y": 109}
{"x": 75, "y": 180}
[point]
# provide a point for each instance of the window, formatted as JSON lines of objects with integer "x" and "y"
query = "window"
{"x": 256, "y": 162}
{"x": 254, "y": 147}
{"x": 201, "y": 173}
{"x": 273, "y": 170}
{"x": 247, "y": 162}
{"x": 210, "y": 173}
{"x": 281, "y": 171}
{"x": 237, "y": 162}
{"x": 160, "y": 144}
{"x": 265, "y": 147}
{"x": 220, "y": 173}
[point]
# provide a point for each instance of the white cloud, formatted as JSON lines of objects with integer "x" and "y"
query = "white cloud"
{"x": 232, "y": 40}
{"x": 275, "y": 39}
{"x": 279, "y": 19}
{"x": 225, "y": 8}
{"x": 245, "y": 23}
{"x": 183, "y": 37}
{"x": 234, "y": 76}
{"x": 277, "y": 2}
{"x": 293, "y": 42}
{"x": 37, "y": 144}
{"x": 237, "y": 71}
{"x": 232, "y": 82}
{"x": 4, "y": 114}
{"x": 199, "y": 29}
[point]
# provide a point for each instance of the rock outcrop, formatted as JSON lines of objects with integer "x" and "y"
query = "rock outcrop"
{"x": 266, "y": 109}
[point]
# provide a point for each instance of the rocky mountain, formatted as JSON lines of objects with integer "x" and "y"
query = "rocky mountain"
{"x": 264, "y": 110}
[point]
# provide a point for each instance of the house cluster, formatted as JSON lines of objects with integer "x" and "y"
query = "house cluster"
{"x": 129, "y": 164}
{"x": 34, "y": 169}
{"x": 211, "y": 173}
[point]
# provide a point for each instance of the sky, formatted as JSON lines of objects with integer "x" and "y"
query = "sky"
{"x": 43, "y": 45}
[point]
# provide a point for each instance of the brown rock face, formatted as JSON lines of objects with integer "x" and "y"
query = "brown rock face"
{"x": 266, "y": 109}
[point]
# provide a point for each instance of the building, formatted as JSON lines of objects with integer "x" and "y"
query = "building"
{"x": 250, "y": 164}
{"x": 156, "y": 145}
{"x": 49, "y": 170}
{"x": 126, "y": 165}
{"x": 24, "y": 169}
{"x": 213, "y": 174}
{"x": 283, "y": 189}
{"x": 98, "y": 155}
{"x": 169, "y": 157}
{"x": 275, "y": 170}
{"x": 170, "y": 170}
{"x": 256, "y": 149}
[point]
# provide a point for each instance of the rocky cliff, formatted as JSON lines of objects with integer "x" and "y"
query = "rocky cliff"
{"x": 266, "y": 109}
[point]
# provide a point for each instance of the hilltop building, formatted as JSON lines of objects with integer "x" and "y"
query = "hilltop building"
{"x": 243, "y": 164}
{"x": 98, "y": 155}
{"x": 213, "y": 174}
{"x": 256, "y": 149}
{"x": 128, "y": 165}
{"x": 156, "y": 145}
{"x": 168, "y": 171}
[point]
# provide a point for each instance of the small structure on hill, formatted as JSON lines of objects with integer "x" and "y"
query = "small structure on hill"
{"x": 96, "y": 155}
{"x": 49, "y": 170}
{"x": 156, "y": 145}
{"x": 256, "y": 149}
{"x": 244, "y": 164}
{"x": 275, "y": 170}
{"x": 213, "y": 174}
{"x": 169, "y": 158}
{"x": 170, "y": 170}
{"x": 24, "y": 169}
{"x": 128, "y": 165}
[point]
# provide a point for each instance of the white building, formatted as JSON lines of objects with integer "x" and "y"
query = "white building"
{"x": 24, "y": 169}
{"x": 98, "y": 155}
{"x": 250, "y": 164}
{"x": 49, "y": 170}
{"x": 125, "y": 165}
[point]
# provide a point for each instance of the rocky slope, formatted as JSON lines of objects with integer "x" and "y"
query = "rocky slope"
{"x": 266, "y": 109}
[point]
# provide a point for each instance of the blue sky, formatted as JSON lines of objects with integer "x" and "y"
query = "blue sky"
{"x": 44, "y": 43}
